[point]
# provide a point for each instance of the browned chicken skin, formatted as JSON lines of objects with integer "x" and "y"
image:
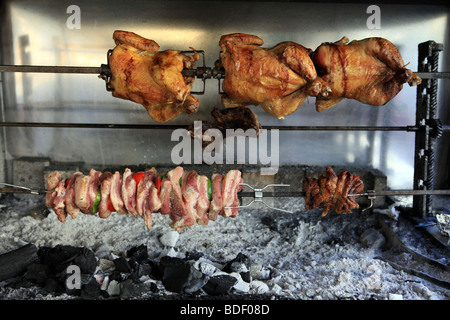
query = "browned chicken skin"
{"x": 371, "y": 71}
{"x": 153, "y": 78}
{"x": 279, "y": 79}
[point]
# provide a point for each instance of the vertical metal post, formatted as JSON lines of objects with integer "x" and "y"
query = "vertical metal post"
{"x": 429, "y": 127}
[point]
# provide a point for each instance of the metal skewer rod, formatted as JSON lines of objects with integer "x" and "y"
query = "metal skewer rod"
{"x": 50, "y": 69}
{"x": 172, "y": 127}
{"x": 188, "y": 72}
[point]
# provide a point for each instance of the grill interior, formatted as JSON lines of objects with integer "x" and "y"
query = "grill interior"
{"x": 398, "y": 249}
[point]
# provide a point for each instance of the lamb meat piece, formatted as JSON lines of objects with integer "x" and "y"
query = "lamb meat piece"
{"x": 371, "y": 71}
{"x": 164, "y": 196}
{"x": 94, "y": 184}
{"x": 106, "y": 180}
{"x": 230, "y": 188}
{"x": 52, "y": 180}
{"x": 180, "y": 216}
{"x": 71, "y": 207}
{"x": 190, "y": 192}
{"x": 55, "y": 200}
{"x": 153, "y": 204}
{"x": 143, "y": 190}
{"x": 82, "y": 198}
{"x": 129, "y": 192}
{"x": 278, "y": 79}
{"x": 152, "y": 78}
{"x": 216, "y": 207}
{"x": 203, "y": 202}
{"x": 116, "y": 193}
{"x": 331, "y": 192}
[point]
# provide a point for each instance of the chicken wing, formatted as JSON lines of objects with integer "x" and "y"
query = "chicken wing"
{"x": 371, "y": 71}
{"x": 153, "y": 78}
{"x": 278, "y": 79}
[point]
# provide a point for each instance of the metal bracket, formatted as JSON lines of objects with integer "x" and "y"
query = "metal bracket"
{"x": 258, "y": 197}
{"x": 371, "y": 196}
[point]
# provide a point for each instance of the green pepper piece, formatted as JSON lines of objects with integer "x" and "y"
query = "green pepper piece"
{"x": 98, "y": 198}
{"x": 209, "y": 190}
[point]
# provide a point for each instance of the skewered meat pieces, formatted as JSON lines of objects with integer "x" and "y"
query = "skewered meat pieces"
{"x": 153, "y": 78}
{"x": 331, "y": 192}
{"x": 185, "y": 196}
{"x": 279, "y": 79}
{"x": 371, "y": 71}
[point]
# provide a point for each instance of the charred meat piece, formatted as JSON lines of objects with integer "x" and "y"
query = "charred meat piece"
{"x": 234, "y": 118}
{"x": 216, "y": 207}
{"x": 331, "y": 192}
{"x": 371, "y": 71}
{"x": 152, "y": 78}
{"x": 278, "y": 79}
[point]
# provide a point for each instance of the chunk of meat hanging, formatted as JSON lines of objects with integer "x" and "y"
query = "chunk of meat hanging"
{"x": 371, "y": 71}
{"x": 332, "y": 192}
{"x": 152, "y": 78}
{"x": 278, "y": 79}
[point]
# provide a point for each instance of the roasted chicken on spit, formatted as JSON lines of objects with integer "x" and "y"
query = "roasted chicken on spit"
{"x": 331, "y": 192}
{"x": 278, "y": 79}
{"x": 371, "y": 71}
{"x": 153, "y": 78}
{"x": 185, "y": 196}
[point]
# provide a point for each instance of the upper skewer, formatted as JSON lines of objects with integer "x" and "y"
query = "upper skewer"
{"x": 202, "y": 72}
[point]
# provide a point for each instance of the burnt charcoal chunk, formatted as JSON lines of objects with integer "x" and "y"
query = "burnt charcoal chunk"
{"x": 122, "y": 265}
{"x": 139, "y": 253}
{"x": 37, "y": 273}
{"x": 193, "y": 255}
{"x": 219, "y": 285}
{"x": 91, "y": 290}
{"x": 15, "y": 263}
{"x": 59, "y": 257}
{"x": 130, "y": 289}
{"x": 246, "y": 276}
{"x": 86, "y": 261}
{"x": 180, "y": 276}
{"x": 242, "y": 258}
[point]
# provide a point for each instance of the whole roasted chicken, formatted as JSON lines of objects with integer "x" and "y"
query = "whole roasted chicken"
{"x": 278, "y": 79}
{"x": 371, "y": 71}
{"x": 153, "y": 78}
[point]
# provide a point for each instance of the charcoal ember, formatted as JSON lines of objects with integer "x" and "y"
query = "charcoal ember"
{"x": 86, "y": 261}
{"x": 139, "y": 253}
{"x": 122, "y": 265}
{"x": 53, "y": 286}
{"x": 240, "y": 259}
{"x": 15, "y": 263}
{"x": 155, "y": 271}
{"x": 246, "y": 276}
{"x": 142, "y": 269}
{"x": 193, "y": 255}
{"x": 91, "y": 289}
{"x": 220, "y": 284}
{"x": 58, "y": 257}
{"x": 180, "y": 276}
{"x": 37, "y": 273}
{"x": 129, "y": 289}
